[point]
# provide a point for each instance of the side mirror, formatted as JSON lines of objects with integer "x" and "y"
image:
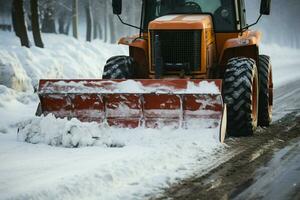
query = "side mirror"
{"x": 265, "y": 7}
{"x": 117, "y": 7}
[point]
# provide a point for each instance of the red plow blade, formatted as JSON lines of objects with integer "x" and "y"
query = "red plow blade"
{"x": 136, "y": 103}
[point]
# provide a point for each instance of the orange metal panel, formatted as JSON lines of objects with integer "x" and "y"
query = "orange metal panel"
{"x": 181, "y": 22}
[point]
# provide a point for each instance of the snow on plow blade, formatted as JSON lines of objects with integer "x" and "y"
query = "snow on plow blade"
{"x": 137, "y": 103}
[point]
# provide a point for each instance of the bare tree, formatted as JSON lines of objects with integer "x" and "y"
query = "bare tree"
{"x": 48, "y": 25}
{"x": 19, "y": 22}
{"x": 89, "y": 21}
{"x": 63, "y": 14}
{"x": 35, "y": 24}
{"x": 96, "y": 9}
{"x": 105, "y": 30}
{"x": 112, "y": 38}
{"x": 75, "y": 18}
{"x": 62, "y": 23}
{"x": 96, "y": 33}
{"x": 14, "y": 21}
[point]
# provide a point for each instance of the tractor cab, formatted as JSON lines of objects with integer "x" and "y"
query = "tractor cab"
{"x": 227, "y": 15}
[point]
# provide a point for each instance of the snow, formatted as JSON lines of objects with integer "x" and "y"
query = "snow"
{"x": 180, "y": 17}
{"x": 62, "y": 132}
{"x": 73, "y": 58}
{"x": 203, "y": 87}
{"x": 167, "y": 17}
{"x": 52, "y": 158}
{"x": 73, "y": 133}
{"x": 12, "y": 73}
{"x": 147, "y": 162}
{"x": 127, "y": 86}
{"x": 15, "y": 107}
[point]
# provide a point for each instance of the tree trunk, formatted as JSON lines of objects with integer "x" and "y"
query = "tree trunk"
{"x": 89, "y": 21}
{"x": 100, "y": 31}
{"x": 95, "y": 26}
{"x": 21, "y": 30}
{"x": 105, "y": 22}
{"x": 35, "y": 24}
{"x": 75, "y": 18}
{"x": 48, "y": 25}
{"x": 14, "y": 21}
{"x": 67, "y": 30}
{"x": 61, "y": 25}
{"x": 95, "y": 30}
{"x": 64, "y": 23}
{"x": 112, "y": 29}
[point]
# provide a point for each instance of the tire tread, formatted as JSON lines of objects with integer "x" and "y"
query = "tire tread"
{"x": 238, "y": 86}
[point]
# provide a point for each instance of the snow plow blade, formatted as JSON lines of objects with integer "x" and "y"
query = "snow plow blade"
{"x": 137, "y": 103}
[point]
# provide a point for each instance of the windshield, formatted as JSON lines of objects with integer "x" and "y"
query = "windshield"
{"x": 223, "y": 11}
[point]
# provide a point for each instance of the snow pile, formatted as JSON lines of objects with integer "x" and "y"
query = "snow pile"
{"x": 15, "y": 107}
{"x": 63, "y": 132}
{"x": 204, "y": 87}
{"x": 73, "y": 133}
{"x": 12, "y": 74}
{"x": 63, "y": 57}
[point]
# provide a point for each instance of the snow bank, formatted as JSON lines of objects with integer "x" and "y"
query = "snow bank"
{"x": 63, "y": 57}
{"x": 12, "y": 74}
{"x": 15, "y": 107}
{"x": 63, "y": 132}
{"x": 21, "y": 69}
{"x": 73, "y": 133}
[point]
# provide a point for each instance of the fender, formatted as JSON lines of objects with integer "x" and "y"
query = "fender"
{"x": 134, "y": 41}
{"x": 138, "y": 50}
{"x": 245, "y": 45}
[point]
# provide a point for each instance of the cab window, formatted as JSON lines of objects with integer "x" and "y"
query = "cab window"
{"x": 223, "y": 11}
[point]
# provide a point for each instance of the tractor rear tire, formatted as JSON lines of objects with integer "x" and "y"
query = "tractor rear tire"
{"x": 265, "y": 91}
{"x": 119, "y": 67}
{"x": 241, "y": 96}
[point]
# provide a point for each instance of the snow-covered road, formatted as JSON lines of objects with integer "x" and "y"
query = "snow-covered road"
{"x": 139, "y": 163}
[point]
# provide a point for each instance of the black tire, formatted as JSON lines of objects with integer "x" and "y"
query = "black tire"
{"x": 241, "y": 96}
{"x": 265, "y": 91}
{"x": 115, "y": 57}
{"x": 119, "y": 67}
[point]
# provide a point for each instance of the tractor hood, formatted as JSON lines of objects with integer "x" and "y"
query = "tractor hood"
{"x": 181, "y": 21}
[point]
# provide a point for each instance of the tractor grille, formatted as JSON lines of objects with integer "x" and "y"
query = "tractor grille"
{"x": 178, "y": 48}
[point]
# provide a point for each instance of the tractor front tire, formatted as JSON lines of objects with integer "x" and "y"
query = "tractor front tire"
{"x": 119, "y": 67}
{"x": 241, "y": 96}
{"x": 265, "y": 91}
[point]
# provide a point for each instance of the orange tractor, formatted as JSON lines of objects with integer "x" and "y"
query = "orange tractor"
{"x": 194, "y": 63}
